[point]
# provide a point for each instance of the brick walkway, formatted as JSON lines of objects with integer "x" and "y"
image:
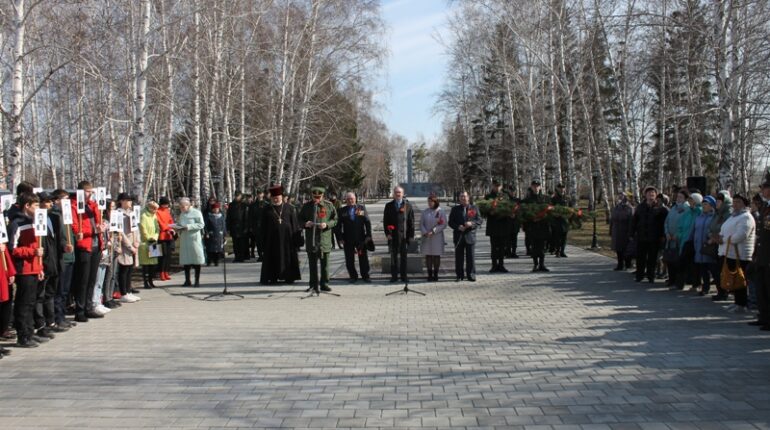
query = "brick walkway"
{"x": 580, "y": 348}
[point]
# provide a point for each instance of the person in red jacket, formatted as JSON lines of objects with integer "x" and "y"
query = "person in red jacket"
{"x": 87, "y": 228}
{"x": 28, "y": 262}
{"x": 7, "y": 277}
{"x": 166, "y": 237}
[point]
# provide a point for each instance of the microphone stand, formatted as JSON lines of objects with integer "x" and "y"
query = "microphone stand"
{"x": 403, "y": 244}
{"x": 224, "y": 292}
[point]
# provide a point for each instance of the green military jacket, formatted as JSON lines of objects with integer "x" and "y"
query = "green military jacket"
{"x": 324, "y": 212}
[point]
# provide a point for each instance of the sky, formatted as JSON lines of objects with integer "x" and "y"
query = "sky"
{"x": 415, "y": 67}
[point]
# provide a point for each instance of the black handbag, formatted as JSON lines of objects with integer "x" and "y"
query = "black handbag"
{"x": 671, "y": 255}
{"x": 369, "y": 244}
{"x": 710, "y": 250}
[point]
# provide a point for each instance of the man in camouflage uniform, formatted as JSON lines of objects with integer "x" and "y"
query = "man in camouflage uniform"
{"x": 318, "y": 217}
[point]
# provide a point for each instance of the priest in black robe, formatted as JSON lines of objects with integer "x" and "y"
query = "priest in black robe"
{"x": 280, "y": 234}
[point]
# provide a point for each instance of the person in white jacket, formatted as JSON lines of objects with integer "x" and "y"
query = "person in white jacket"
{"x": 739, "y": 231}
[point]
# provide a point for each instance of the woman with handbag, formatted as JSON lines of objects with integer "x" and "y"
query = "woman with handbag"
{"x": 706, "y": 252}
{"x": 737, "y": 247}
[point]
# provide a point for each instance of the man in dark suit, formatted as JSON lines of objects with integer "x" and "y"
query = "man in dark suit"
{"x": 237, "y": 213}
{"x": 353, "y": 231}
{"x": 398, "y": 221}
{"x": 464, "y": 220}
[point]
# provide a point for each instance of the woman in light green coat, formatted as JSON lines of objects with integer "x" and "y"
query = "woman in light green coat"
{"x": 149, "y": 231}
{"x": 190, "y": 226}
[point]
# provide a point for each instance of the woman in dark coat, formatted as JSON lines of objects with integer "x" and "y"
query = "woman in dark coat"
{"x": 620, "y": 230}
{"x": 214, "y": 235}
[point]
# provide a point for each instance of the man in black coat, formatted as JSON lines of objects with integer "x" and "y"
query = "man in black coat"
{"x": 353, "y": 231}
{"x": 398, "y": 221}
{"x": 762, "y": 260}
{"x": 464, "y": 220}
{"x": 255, "y": 220}
{"x": 238, "y": 227}
{"x": 559, "y": 226}
{"x": 647, "y": 228}
{"x": 539, "y": 229}
{"x": 498, "y": 229}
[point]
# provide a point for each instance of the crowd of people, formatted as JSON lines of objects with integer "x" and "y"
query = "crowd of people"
{"x": 700, "y": 243}
{"x": 78, "y": 257}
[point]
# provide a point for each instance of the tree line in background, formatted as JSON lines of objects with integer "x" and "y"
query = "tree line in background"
{"x": 192, "y": 97}
{"x": 605, "y": 96}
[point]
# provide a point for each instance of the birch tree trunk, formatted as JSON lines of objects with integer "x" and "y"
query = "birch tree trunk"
{"x": 195, "y": 151}
{"x": 17, "y": 94}
{"x": 138, "y": 142}
{"x": 722, "y": 13}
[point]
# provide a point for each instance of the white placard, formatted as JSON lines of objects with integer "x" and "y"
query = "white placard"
{"x": 116, "y": 221}
{"x": 6, "y": 201}
{"x": 81, "y": 201}
{"x": 101, "y": 198}
{"x": 41, "y": 222}
{"x": 66, "y": 211}
{"x": 3, "y": 232}
{"x": 135, "y": 215}
{"x": 37, "y": 190}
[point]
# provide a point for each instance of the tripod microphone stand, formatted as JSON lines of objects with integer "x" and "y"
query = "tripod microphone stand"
{"x": 395, "y": 255}
{"x": 224, "y": 292}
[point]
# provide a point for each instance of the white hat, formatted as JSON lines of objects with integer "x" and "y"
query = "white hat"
{"x": 697, "y": 198}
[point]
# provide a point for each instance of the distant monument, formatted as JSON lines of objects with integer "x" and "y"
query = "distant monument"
{"x": 418, "y": 189}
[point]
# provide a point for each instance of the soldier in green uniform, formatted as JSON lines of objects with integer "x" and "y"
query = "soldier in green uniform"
{"x": 498, "y": 229}
{"x": 538, "y": 230}
{"x": 318, "y": 217}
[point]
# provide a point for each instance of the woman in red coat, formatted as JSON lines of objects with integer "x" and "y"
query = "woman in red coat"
{"x": 166, "y": 237}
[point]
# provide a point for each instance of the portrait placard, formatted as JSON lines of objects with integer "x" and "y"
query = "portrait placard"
{"x": 81, "y": 196}
{"x": 41, "y": 222}
{"x": 66, "y": 211}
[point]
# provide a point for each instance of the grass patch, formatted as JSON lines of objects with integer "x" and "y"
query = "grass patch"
{"x": 583, "y": 237}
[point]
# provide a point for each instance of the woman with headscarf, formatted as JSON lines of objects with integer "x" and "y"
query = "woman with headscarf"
{"x": 684, "y": 239}
{"x": 706, "y": 265}
{"x": 671, "y": 228}
{"x": 620, "y": 230}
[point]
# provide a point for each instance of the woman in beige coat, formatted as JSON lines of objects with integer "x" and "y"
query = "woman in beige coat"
{"x": 126, "y": 251}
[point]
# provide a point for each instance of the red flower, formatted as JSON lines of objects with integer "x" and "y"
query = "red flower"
{"x": 440, "y": 221}
{"x": 580, "y": 213}
{"x": 322, "y": 212}
{"x": 403, "y": 208}
{"x": 471, "y": 213}
{"x": 494, "y": 203}
{"x": 391, "y": 227}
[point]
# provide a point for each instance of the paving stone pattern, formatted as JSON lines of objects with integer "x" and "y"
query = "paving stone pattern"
{"x": 581, "y": 348}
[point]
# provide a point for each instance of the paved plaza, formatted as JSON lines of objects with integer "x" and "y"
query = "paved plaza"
{"x": 580, "y": 348}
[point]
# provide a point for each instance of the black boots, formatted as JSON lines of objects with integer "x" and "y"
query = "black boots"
{"x": 147, "y": 275}
{"x": 187, "y": 282}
